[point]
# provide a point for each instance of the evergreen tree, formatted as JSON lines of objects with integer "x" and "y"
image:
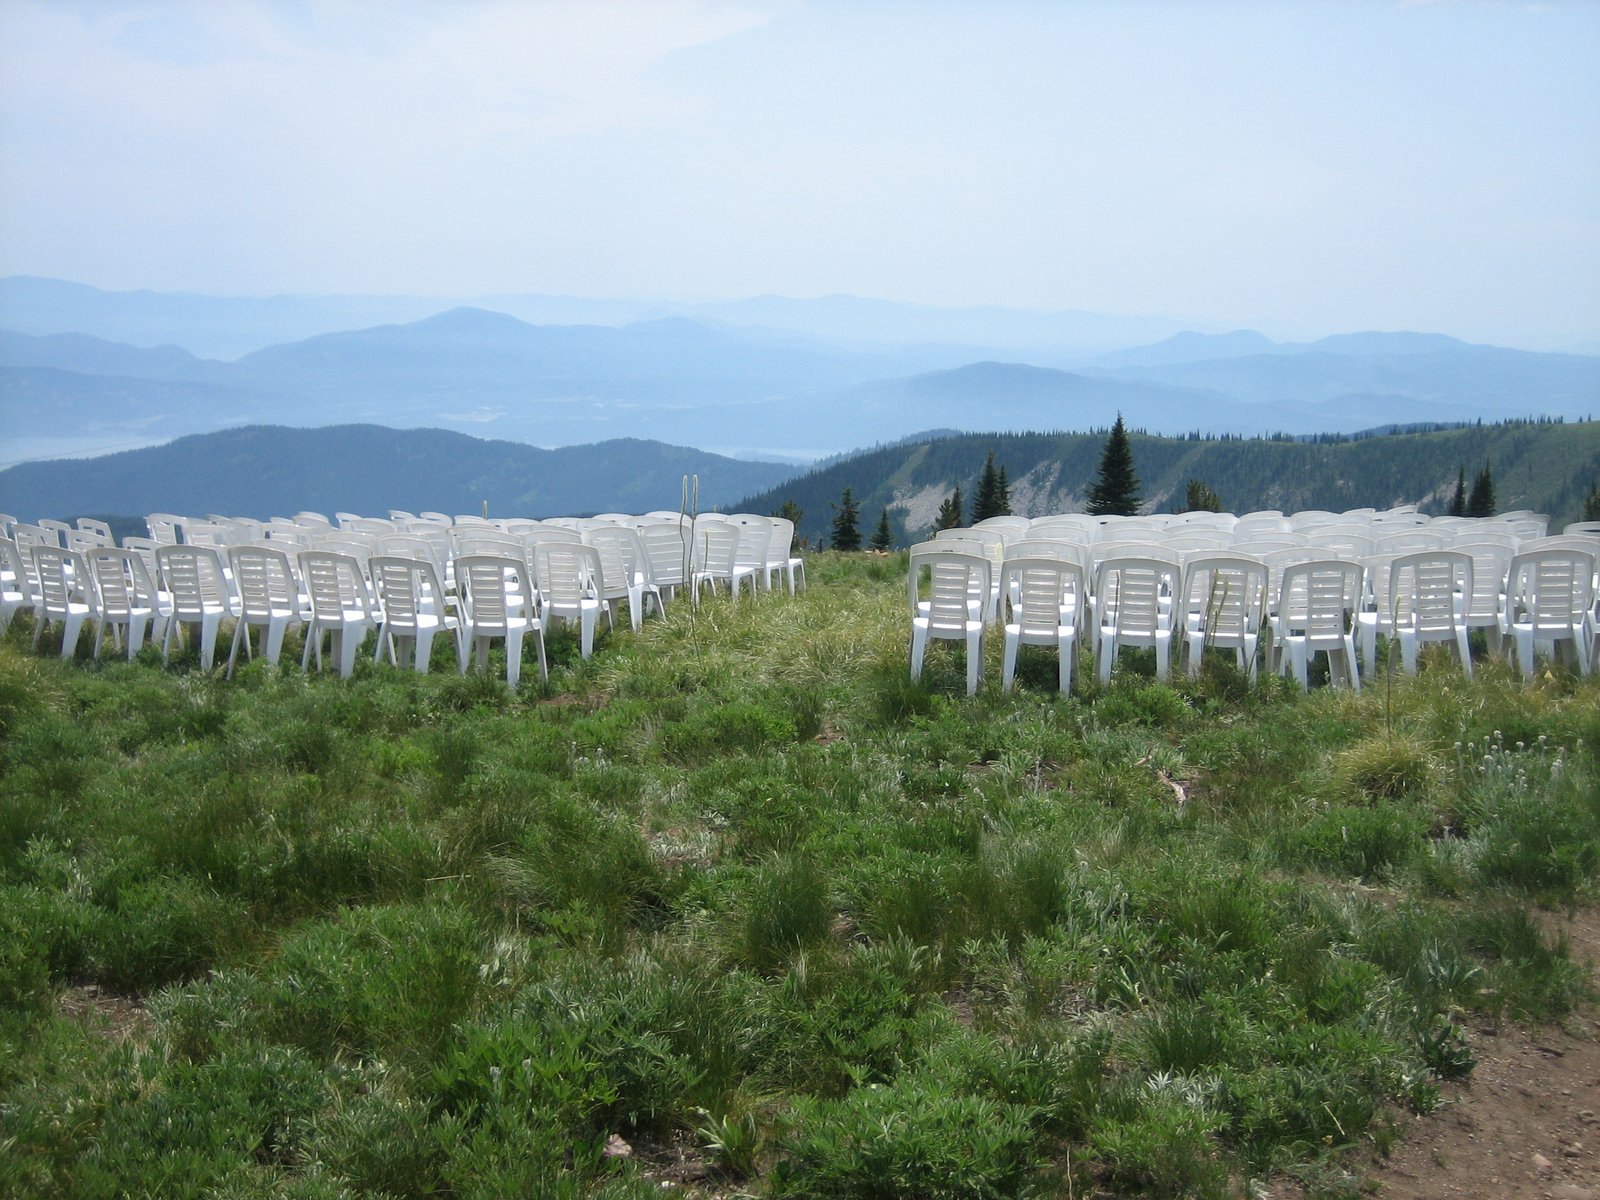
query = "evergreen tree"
{"x": 883, "y": 536}
{"x": 846, "y": 529}
{"x": 1458, "y": 503}
{"x": 791, "y": 511}
{"x": 994, "y": 493}
{"x": 1591, "y": 504}
{"x": 949, "y": 513}
{"x": 1481, "y": 502}
{"x": 1116, "y": 487}
{"x": 1198, "y": 497}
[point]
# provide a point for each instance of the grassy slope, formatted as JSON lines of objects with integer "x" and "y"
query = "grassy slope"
{"x": 737, "y": 882}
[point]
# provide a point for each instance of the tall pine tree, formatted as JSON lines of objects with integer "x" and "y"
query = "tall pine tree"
{"x": 994, "y": 493}
{"x": 1116, "y": 487}
{"x": 846, "y": 526}
{"x": 1458, "y": 502}
{"x": 949, "y": 513}
{"x": 1481, "y": 502}
{"x": 883, "y": 535}
{"x": 1198, "y": 497}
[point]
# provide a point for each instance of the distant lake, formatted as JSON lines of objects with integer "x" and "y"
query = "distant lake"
{"x": 14, "y": 450}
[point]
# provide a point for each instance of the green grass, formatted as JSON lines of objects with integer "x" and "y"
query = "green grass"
{"x": 737, "y": 884}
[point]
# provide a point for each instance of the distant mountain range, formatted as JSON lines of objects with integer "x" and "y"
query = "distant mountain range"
{"x": 771, "y": 387}
{"x": 264, "y": 471}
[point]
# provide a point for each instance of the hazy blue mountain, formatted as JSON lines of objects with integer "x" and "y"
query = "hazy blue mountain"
{"x": 1189, "y": 346}
{"x": 229, "y": 326}
{"x": 262, "y": 471}
{"x": 1456, "y": 382}
{"x": 96, "y": 356}
{"x": 209, "y": 326}
{"x": 500, "y": 357}
{"x": 1382, "y": 344}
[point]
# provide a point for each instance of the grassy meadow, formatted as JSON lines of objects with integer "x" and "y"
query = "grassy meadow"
{"x": 734, "y": 905}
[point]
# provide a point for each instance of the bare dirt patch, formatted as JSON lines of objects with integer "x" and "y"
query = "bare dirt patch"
{"x": 1526, "y": 1126}
{"x": 117, "y": 1017}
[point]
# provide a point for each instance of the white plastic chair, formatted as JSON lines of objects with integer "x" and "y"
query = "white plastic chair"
{"x": 342, "y": 608}
{"x": 1221, "y": 605}
{"x": 62, "y": 579}
{"x": 1044, "y": 598}
{"x": 58, "y": 530}
{"x": 498, "y": 600}
{"x": 1316, "y": 612}
{"x": 1429, "y": 592}
{"x": 195, "y": 578}
{"x": 716, "y": 545}
{"x": 412, "y": 600}
{"x": 947, "y": 613}
{"x": 1550, "y": 601}
{"x": 1128, "y": 609}
{"x": 166, "y": 529}
{"x": 750, "y": 556}
{"x": 572, "y": 582}
{"x": 269, "y": 599}
{"x": 666, "y": 545}
{"x": 125, "y": 598}
{"x": 626, "y": 569}
{"x": 16, "y": 589}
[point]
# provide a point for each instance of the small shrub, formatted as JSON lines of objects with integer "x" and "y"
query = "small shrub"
{"x": 1162, "y": 1147}
{"x": 788, "y": 909}
{"x": 1366, "y": 842}
{"x": 737, "y": 726}
{"x": 1391, "y": 767}
{"x": 907, "y": 1138}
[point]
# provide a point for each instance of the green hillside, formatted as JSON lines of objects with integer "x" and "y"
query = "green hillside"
{"x": 1545, "y": 466}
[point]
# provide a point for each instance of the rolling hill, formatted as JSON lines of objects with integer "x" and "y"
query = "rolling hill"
{"x": 262, "y": 471}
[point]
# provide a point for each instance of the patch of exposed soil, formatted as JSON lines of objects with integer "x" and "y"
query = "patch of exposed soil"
{"x": 118, "y": 1017}
{"x": 1526, "y": 1126}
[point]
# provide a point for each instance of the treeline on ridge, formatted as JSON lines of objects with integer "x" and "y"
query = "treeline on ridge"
{"x": 1541, "y": 465}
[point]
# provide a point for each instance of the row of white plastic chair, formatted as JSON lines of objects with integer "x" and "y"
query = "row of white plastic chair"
{"x": 552, "y": 572}
{"x": 1308, "y": 601}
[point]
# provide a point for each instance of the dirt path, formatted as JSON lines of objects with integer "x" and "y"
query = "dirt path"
{"x": 1527, "y": 1124}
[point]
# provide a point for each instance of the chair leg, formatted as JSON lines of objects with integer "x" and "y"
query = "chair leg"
{"x": 1523, "y": 644}
{"x": 349, "y": 643}
{"x": 919, "y": 646}
{"x": 538, "y": 646}
{"x": 1105, "y": 654}
{"x": 1408, "y": 651}
{"x": 513, "y": 657}
{"x": 1298, "y": 656}
{"x": 1008, "y": 662}
{"x": 1066, "y": 651}
{"x": 974, "y": 660}
{"x": 239, "y": 632}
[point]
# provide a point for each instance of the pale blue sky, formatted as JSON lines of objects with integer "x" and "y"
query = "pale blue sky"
{"x": 1322, "y": 167}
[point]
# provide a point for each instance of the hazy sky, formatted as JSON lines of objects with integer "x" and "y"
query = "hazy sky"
{"x": 1325, "y": 166}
